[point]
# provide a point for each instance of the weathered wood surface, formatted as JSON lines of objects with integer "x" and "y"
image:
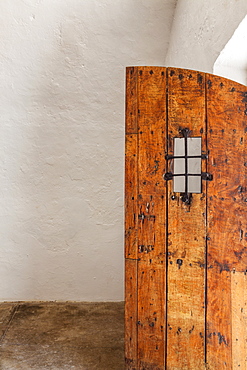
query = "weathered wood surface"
{"x": 186, "y": 232}
{"x": 186, "y": 298}
{"x": 145, "y": 221}
{"x": 152, "y": 217}
{"x": 131, "y": 313}
{"x": 227, "y": 139}
{"x": 131, "y": 217}
{"x": 131, "y": 110}
{"x": 239, "y": 319}
{"x": 227, "y": 221}
{"x": 131, "y": 163}
{"x": 131, "y": 193}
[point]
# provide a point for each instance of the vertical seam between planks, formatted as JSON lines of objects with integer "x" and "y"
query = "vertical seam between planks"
{"x": 166, "y": 241}
{"x": 206, "y": 226}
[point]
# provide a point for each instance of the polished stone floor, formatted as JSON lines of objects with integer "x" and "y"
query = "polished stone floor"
{"x": 57, "y": 336}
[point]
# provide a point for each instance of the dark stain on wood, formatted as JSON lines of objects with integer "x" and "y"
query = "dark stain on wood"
{"x": 221, "y": 338}
{"x": 243, "y": 251}
{"x": 223, "y": 266}
{"x": 199, "y": 78}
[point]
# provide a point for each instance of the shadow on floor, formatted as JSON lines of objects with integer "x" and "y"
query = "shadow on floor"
{"x": 51, "y": 335}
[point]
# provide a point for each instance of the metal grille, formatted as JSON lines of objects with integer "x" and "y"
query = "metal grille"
{"x": 186, "y": 160}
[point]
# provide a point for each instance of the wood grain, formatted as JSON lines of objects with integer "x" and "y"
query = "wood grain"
{"x": 131, "y": 314}
{"x": 151, "y": 129}
{"x": 145, "y": 220}
{"x": 227, "y": 135}
{"x": 227, "y": 222}
{"x": 131, "y": 220}
{"x": 131, "y": 193}
{"x": 151, "y": 309}
{"x": 239, "y": 319}
{"x": 152, "y": 217}
{"x": 186, "y": 233}
{"x": 219, "y": 335}
{"x": 131, "y": 100}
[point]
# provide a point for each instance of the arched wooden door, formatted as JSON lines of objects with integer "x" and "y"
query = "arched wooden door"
{"x": 186, "y": 252}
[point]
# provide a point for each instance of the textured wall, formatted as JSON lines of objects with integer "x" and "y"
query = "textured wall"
{"x": 61, "y": 143}
{"x": 200, "y": 30}
{"x": 232, "y": 61}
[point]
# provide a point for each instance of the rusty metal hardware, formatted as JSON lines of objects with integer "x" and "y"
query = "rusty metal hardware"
{"x": 183, "y": 170}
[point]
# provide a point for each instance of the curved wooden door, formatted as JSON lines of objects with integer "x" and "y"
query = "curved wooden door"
{"x": 186, "y": 262}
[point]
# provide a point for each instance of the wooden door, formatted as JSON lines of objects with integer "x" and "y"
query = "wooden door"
{"x": 185, "y": 252}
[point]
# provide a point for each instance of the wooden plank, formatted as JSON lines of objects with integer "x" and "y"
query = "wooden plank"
{"x": 151, "y": 283}
{"x": 151, "y": 129}
{"x": 152, "y": 228}
{"x": 131, "y": 314}
{"x": 151, "y": 217}
{"x": 131, "y": 192}
{"x": 151, "y": 310}
{"x": 239, "y": 319}
{"x": 131, "y": 100}
{"x": 227, "y": 139}
{"x": 186, "y": 233}
{"x": 227, "y": 129}
{"x": 131, "y": 161}
{"x": 131, "y": 217}
{"x": 219, "y": 319}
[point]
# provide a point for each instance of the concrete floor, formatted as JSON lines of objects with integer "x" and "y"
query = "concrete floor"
{"x": 50, "y": 335}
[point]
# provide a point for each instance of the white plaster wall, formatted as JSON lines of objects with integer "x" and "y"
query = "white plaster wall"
{"x": 232, "y": 61}
{"x": 200, "y": 30}
{"x": 62, "y": 141}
